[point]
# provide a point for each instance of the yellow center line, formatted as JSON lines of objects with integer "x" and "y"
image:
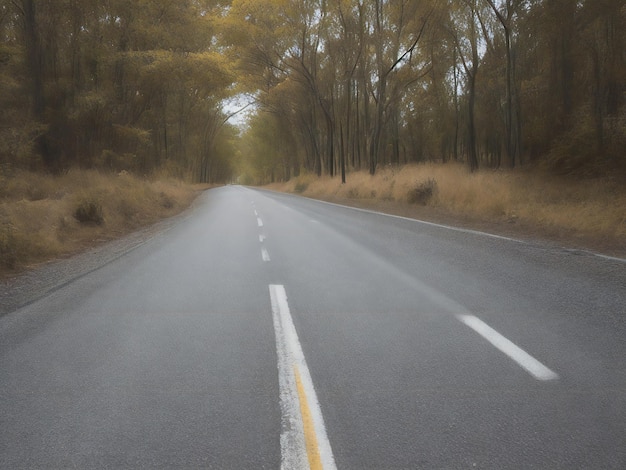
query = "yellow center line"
{"x": 303, "y": 430}
{"x": 310, "y": 439}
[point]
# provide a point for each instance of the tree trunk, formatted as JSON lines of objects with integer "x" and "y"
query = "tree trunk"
{"x": 472, "y": 152}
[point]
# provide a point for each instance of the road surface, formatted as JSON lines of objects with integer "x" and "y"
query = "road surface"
{"x": 267, "y": 330}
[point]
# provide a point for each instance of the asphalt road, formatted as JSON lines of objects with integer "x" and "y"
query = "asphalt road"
{"x": 268, "y": 330}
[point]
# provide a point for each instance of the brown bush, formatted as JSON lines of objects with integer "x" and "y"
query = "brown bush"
{"x": 423, "y": 192}
{"x": 89, "y": 212}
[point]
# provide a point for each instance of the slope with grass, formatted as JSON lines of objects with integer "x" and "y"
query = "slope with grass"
{"x": 577, "y": 213}
{"x": 43, "y": 217}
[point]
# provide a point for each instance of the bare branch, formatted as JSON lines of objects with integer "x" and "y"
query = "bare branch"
{"x": 413, "y": 46}
{"x": 501, "y": 18}
{"x": 240, "y": 110}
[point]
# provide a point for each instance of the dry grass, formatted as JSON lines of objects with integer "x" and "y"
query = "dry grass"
{"x": 43, "y": 217}
{"x": 565, "y": 208}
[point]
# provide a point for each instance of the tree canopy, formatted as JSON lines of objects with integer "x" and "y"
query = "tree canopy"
{"x": 337, "y": 85}
{"x": 125, "y": 85}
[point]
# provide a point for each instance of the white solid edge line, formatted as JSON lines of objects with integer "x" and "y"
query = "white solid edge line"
{"x": 290, "y": 353}
{"x": 607, "y": 257}
{"x": 448, "y": 227}
{"x": 419, "y": 221}
{"x": 433, "y": 224}
{"x": 525, "y": 360}
{"x": 265, "y": 254}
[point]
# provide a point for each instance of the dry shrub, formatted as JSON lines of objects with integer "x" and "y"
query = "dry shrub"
{"x": 302, "y": 182}
{"x": 19, "y": 184}
{"x": 167, "y": 202}
{"x": 28, "y": 232}
{"x": 353, "y": 192}
{"x": 567, "y": 206}
{"x": 70, "y": 210}
{"x": 300, "y": 187}
{"x": 423, "y": 192}
{"x": 89, "y": 211}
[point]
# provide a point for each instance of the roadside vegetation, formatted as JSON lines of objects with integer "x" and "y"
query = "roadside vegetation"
{"x": 483, "y": 112}
{"x": 375, "y": 94}
{"x": 92, "y": 95}
{"x": 359, "y": 85}
{"x": 44, "y": 216}
{"x": 587, "y": 213}
{"x": 121, "y": 85}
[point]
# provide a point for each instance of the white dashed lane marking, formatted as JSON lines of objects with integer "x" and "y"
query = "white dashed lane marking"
{"x": 521, "y": 357}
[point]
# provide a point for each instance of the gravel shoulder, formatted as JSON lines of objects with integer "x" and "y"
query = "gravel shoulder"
{"x": 610, "y": 247}
{"x": 513, "y": 228}
{"x": 39, "y": 281}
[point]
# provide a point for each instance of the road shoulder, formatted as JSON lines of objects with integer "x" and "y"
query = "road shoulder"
{"x": 506, "y": 228}
{"x": 40, "y": 280}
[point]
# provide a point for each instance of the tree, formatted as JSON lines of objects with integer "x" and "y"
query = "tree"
{"x": 466, "y": 40}
{"x": 116, "y": 84}
{"x": 398, "y": 27}
{"x": 342, "y": 84}
{"x": 505, "y": 15}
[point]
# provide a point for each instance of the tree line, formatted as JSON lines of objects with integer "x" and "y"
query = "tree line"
{"x": 355, "y": 84}
{"x": 131, "y": 85}
{"x": 338, "y": 85}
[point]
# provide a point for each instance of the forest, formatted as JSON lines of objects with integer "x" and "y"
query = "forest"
{"x": 133, "y": 85}
{"x": 330, "y": 86}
